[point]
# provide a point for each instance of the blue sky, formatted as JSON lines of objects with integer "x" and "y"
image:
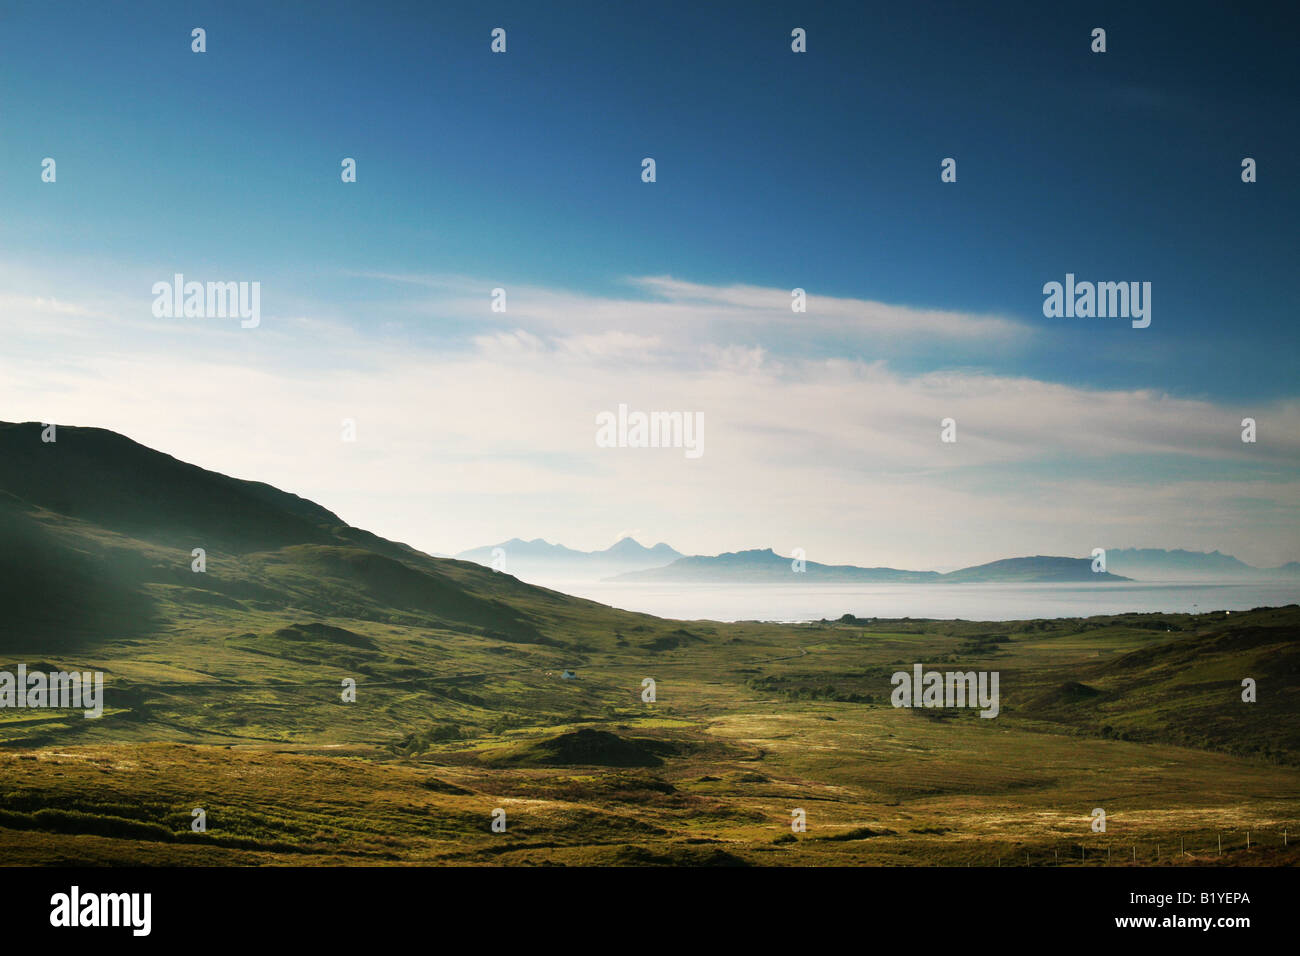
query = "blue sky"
{"x": 775, "y": 170}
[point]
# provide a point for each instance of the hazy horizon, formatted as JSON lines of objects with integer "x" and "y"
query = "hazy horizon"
{"x": 649, "y": 544}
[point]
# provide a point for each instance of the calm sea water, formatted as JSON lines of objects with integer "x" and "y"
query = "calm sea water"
{"x": 977, "y": 602}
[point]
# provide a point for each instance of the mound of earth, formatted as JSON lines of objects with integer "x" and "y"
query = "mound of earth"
{"x": 323, "y": 632}
{"x": 1065, "y": 695}
{"x": 584, "y": 747}
{"x": 676, "y": 856}
{"x": 671, "y": 641}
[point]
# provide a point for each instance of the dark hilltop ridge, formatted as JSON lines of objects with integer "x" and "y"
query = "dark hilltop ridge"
{"x": 99, "y": 533}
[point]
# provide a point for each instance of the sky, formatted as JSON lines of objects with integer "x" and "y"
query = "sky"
{"x": 775, "y": 170}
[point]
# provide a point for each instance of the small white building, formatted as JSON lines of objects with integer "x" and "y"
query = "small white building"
{"x": 570, "y": 675}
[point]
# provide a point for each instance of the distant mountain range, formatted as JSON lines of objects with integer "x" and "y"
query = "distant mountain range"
{"x": 1157, "y": 564}
{"x": 630, "y": 561}
{"x": 541, "y": 559}
{"x": 765, "y": 565}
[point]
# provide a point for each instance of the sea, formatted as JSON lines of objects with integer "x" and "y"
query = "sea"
{"x": 793, "y": 602}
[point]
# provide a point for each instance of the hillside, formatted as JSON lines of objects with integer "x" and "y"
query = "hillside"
{"x": 99, "y": 532}
{"x": 1189, "y": 690}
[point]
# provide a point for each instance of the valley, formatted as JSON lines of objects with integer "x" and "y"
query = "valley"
{"x": 223, "y": 691}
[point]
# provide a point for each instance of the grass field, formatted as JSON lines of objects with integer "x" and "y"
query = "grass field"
{"x": 1139, "y": 715}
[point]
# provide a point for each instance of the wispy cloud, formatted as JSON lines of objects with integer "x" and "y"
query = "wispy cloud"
{"x": 749, "y": 303}
{"x": 673, "y": 310}
{"x": 491, "y": 436}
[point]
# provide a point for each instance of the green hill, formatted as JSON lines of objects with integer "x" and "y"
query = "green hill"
{"x": 101, "y": 530}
